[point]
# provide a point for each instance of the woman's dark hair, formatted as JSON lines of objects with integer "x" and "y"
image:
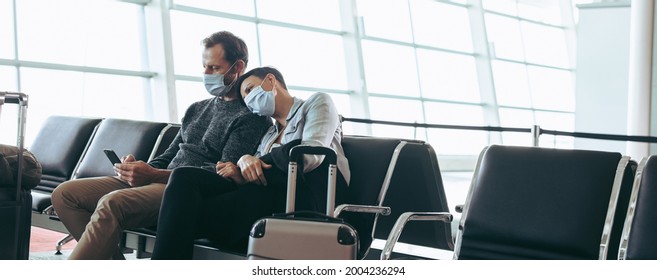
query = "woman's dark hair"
{"x": 261, "y": 72}
{"x": 234, "y": 47}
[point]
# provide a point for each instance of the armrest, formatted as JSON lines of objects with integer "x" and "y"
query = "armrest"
{"x": 383, "y": 210}
{"x": 397, "y": 229}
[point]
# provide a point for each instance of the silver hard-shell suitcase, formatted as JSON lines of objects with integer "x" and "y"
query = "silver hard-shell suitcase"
{"x": 16, "y": 205}
{"x": 304, "y": 235}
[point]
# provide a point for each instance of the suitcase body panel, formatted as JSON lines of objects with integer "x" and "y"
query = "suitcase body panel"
{"x": 16, "y": 205}
{"x": 295, "y": 237}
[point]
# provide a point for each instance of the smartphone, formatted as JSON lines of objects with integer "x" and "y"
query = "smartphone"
{"x": 112, "y": 156}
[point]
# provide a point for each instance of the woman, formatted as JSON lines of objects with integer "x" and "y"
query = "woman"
{"x": 223, "y": 206}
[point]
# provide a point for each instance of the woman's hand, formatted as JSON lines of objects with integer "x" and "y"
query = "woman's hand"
{"x": 230, "y": 171}
{"x": 251, "y": 168}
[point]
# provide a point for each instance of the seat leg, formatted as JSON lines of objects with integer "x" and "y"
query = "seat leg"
{"x": 61, "y": 243}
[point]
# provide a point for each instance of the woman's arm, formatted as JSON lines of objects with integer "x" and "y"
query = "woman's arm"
{"x": 321, "y": 122}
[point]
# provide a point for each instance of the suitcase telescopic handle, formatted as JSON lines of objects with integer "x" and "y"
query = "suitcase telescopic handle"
{"x": 297, "y": 153}
{"x": 296, "y": 159}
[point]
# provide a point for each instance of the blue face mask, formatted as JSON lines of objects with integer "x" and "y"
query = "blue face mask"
{"x": 214, "y": 83}
{"x": 261, "y": 102}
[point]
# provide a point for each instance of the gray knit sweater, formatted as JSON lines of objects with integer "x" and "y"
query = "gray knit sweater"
{"x": 213, "y": 130}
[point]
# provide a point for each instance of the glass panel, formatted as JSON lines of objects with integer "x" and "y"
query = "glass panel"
{"x": 341, "y": 101}
{"x": 455, "y": 142}
{"x": 9, "y": 113}
{"x": 551, "y": 88}
{"x": 6, "y": 29}
{"x": 448, "y": 76}
{"x": 188, "y": 31}
{"x": 224, "y": 6}
{"x": 520, "y": 119}
{"x": 390, "y": 69}
{"x": 511, "y": 85}
{"x": 78, "y": 33}
{"x": 388, "y": 19}
{"x": 187, "y": 93}
{"x": 453, "y": 114}
{"x": 398, "y": 110}
{"x": 545, "y": 45}
{"x": 305, "y": 58}
{"x": 317, "y": 13}
{"x": 501, "y": 6}
{"x": 504, "y": 37}
{"x": 548, "y": 11}
{"x": 71, "y": 93}
{"x": 441, "y": 25}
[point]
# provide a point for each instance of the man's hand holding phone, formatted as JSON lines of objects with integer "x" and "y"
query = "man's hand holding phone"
{"x": 133, "y": 172}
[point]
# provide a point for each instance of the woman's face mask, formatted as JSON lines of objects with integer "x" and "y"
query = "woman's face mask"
{"x": 261, "y": 102}
{"x": 214, "y": 83}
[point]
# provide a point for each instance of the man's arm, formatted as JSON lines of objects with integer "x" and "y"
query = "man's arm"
{"x": 138, "y": 173}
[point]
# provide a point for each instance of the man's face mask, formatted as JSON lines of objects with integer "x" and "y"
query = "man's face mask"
{"x": 261, "y": 102}
{"x": 214, "y": 83}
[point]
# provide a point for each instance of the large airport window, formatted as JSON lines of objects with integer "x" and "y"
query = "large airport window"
{"x": 388, "y": 19}
{"x": 520, "y": 118}
{"x": 390, "y": 69}
{"x": 306, "y": 58}
{"x": 441, "y": 25}
{"x": 73, "y": 93}
{"x": 226, "y": 6}
{"x": 551, "y": 89}
{"x": 8, "y": 124}
{"x": 317, "y": 13}
{"x": 545, "y": 45}
{"x": 389, "y": 109}
{"x": 511, "y": 84}
{"x": 504, "y": 37}
{"x": 6, "y": 29}
{"x": 455, "y": 142}
{"x": 448, "y": 76}
{"x": 78, "y": 33}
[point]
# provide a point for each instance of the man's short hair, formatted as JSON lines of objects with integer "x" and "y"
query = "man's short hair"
{"x": 234, "y": 47}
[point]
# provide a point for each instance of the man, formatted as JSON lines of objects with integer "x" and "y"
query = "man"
{"x": 219, "y": 129}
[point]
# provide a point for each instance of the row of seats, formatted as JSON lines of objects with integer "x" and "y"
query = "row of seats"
{"x": 523, "y": 203}
{"x": 396, "y": 173}
{"x": 538, "y": 203}
{"x": 72, "y": 147}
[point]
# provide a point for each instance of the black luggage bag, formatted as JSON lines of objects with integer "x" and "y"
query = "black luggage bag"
{"x": 304, "y": 235}
{"x": 15, "y": 201}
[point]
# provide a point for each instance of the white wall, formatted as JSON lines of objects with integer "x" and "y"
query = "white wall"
{"x": 602, "y": 73}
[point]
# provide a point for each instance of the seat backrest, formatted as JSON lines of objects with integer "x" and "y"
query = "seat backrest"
{"x": 124, "y": 137}
{"x": 59, "y": 145}
{"x": 639, "y": 239}
{"x": 417, "y": 186}
{"x": 369, "y": 158}
{"x": 167, "y": 136}
{"x": 538, "y": 203}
